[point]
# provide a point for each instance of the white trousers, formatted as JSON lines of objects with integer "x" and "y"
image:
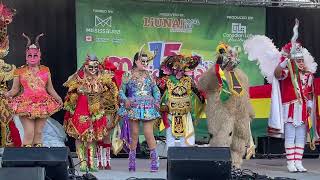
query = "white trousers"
{"x": 294, "y": 135}
{"x": 295, "y": 138}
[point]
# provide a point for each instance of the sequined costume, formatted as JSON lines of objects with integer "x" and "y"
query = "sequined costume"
{"x": 34, "y": 102}
{"x": 178, "y": 104}
{"x": 111, "y": 106}
{"x": 139, "y": 102}
{"x": 9, "y": 133}
{"x": 85, "y": 118}
{"x": 86, "y": 103}
{"x": 143, "y": 94}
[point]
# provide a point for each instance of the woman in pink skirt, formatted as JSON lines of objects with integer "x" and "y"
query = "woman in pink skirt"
{"x": 32, "y": 96}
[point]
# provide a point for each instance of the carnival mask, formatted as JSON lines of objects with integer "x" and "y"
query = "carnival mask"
{"x": 143, "y": 62}
{"x": 33, "y": 52}
{"x": 33, "y": 56}
{"x": 228, "y": 56}
{"x": 180, "y": 65}
{"x": 92, "y": 65}
{"x": 144, "y": 58}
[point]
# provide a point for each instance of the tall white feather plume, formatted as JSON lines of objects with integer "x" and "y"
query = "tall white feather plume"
{"x": 261, "y": 49}
{"x": 309, "y": 61}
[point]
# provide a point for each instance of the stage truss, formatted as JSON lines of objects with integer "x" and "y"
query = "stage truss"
{"x": 264, "y": 3}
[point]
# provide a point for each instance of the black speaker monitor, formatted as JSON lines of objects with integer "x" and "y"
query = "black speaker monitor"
{"x": 54, "y": 160}
{"x": 198, "y": 163}
{"x": 22, "y": 173}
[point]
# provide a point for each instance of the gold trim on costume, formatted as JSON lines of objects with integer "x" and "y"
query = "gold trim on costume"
{"x": 179, "y": 102}
{"x": 233, "y": 87}
{"x": 178, "y": 125}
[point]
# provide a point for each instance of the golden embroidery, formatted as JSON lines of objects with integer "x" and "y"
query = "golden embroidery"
{"x": 34, "y": 81}
{"x": 178, "y": 125}
{"x": 179, "y": 101}
{"x": 236, "y": 87}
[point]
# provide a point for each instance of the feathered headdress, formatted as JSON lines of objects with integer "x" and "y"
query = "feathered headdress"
{"x": 261, "y": 49}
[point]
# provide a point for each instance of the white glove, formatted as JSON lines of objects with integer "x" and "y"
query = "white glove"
{"x": 310, "y": 104}
{"x": 284, "y": 64}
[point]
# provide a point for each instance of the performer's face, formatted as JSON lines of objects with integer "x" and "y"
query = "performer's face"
{"x": 92, "y": 67}
{"x": 300, "y": 64}
{"x": 33, "y": 56}
{"x": 142, "y": 63}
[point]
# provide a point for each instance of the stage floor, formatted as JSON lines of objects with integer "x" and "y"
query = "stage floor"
{"x": 269, "y": 167}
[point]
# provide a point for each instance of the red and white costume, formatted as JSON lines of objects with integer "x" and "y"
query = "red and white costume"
{"x": 295, "y": 109}
{"x": 292, "y": 101}
{"x": 294, "y": 113}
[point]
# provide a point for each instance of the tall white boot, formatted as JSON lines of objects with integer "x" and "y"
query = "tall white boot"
{"x": 299, "y": 149}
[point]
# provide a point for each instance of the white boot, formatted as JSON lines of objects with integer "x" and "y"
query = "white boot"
{"x": 298, "y": 165}
{"x": 291, "y": 166}
{"x": 103, "y": 157}
{"x": 99, "y": 155}
{"x": 290, "y": 152}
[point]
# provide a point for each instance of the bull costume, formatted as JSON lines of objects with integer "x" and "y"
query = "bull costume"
{"x": 85, "y": 118}
{"x": 140, "y": 102}
{"x": 292, "y": 102}
{"x": 32, "y": 96}
{"x": 228, "y": 109}
{"x": 178, "y": 103}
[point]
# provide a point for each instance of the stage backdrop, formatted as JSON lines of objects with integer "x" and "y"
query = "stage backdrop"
{"x": 119, "y": 28}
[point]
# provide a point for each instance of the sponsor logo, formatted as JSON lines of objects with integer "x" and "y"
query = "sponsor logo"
{"x": 88, "y": 38}
{"x": 173, "y": 22}
{"x": 238, "y": 28}
{"x": 102, "y": 22}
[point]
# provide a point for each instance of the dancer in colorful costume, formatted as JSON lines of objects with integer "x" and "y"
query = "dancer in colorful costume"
{"x": 228, "y": 109}
{"x": 38, "y": 99}
{"x": 179, "y": 98}
{"x": 111, "y": 106}
{"x": 292, "y": 102}
{"x": 139, "y": 102}
{"x": 9, "y": 133}
{"x": 85, "y": 118}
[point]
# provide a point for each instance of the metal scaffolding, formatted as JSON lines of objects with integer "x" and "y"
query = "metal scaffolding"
{"x": 265, "y": 3}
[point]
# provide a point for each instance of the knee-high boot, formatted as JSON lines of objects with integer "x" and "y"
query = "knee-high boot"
{"x": 154, "y": 166}
{"x": 290, "y": 155}
{"x": 107, "y": 155}
{"x": 299, "y": 149}
{"x": 82, "y": 157}
{"x": 132, "y": 160}
{"x": 100, "y": 154}
{"x": 91, "y": 153}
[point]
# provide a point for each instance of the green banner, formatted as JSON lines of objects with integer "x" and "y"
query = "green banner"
{"x": 117, "y": 29}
